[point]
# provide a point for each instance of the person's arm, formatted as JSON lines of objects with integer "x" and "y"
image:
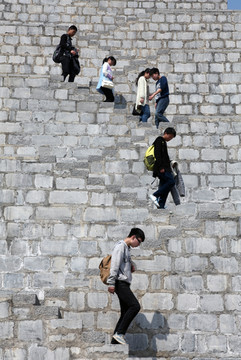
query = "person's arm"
{"x": 141, "y": 88}
{"x": 157, "y": 91}
{"x": 158, "y": 152}
{"x": 116, "y": 258}
{"x": 106, "y": 72}
{"x": 63, "y": 43}
{"x": 154, "y": 94}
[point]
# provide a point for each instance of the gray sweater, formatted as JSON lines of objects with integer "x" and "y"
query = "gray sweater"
{"x": 120, "y": 264}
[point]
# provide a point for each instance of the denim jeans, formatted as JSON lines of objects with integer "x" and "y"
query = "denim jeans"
{"x": 165, "y": 184}
{"x": 129, "y": 306}
{"x": 161, "y": 106}
{"x": 146, "y": 113}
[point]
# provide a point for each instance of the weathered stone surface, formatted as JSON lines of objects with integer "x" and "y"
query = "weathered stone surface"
{"x": 73, "y": 182}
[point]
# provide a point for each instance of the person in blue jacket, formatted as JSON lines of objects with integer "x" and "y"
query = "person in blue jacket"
{"x": 161, "y": 95}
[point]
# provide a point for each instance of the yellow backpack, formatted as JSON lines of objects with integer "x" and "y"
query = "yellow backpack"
{"x": 149, "y": 158}
{"x": 105, "y": 268}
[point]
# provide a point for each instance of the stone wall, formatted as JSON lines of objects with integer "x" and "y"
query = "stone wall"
{"x": 73, "y": 182}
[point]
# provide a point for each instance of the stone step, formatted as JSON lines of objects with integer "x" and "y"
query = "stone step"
{"x": 108, "y": 351}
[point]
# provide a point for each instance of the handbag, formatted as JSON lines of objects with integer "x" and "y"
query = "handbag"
{"x": 57, "y": 54}
{"x": 107, "y": 84}
{"x": 137, "y": 111}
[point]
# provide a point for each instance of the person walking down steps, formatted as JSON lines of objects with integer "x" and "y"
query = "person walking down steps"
{"x": 142, "y": 96}
{"x": 69, "y": 55}
{"x": 119, "y": 282}
{"x": 105, "y": 84}
{"x": 161, "y": 95}
{"x": 162, "y": 168}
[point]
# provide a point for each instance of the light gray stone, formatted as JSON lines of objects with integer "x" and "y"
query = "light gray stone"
{"x": 30, "y": 330}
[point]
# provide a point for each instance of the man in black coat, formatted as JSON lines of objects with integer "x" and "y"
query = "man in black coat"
{"x": 162, "y": 168}
{"x": 69, "y": 54}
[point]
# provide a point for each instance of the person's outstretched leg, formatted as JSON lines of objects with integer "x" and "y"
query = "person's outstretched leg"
{"x": 65, "y": 62}
{"x": 146, "y": 113}
{"x": 130, "y": 305}
{"x": 108, "y": 94}
{"x": 166, "y": 183}
{"x": 160, "y": 109}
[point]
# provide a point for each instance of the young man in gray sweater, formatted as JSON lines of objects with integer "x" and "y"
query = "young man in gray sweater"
{"x": 119, "y": 282}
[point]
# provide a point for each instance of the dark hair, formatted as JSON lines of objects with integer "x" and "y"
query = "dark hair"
{"x": 170, "y": 130}
{"x": 138, "y": 232}
{"x": 142, "y": 73}
{"x": 111, "y": 58}
{"x": 73, "y": 27}
{"x": 154, "y": 71}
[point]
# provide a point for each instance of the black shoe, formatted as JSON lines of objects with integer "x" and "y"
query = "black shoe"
{"x": 114, "y": 342}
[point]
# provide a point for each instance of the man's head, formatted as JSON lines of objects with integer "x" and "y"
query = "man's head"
{"x": 169, "y": 134}
{"x": 72, "y": 30}
{"x": 135, "y": 237}
{"x": 155, "y": 74}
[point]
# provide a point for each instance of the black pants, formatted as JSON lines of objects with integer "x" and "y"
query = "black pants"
{"x": 108, "y": 94}
{"x": 67, "y": 68}
{"x": 129, "y": 306}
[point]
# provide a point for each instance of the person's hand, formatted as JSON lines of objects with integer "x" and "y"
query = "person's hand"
{"x": 141, "y": 100}
{"x": 111, "y": 289}
{"x": 151, "y": 97}
{"x": 73, "y": 52}
{"x": 162, "y": 171}
{"x": 155, "y": 105}
{"x": 133, "y": 269}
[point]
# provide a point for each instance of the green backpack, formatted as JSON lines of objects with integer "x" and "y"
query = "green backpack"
{"x": 149, "y": 158}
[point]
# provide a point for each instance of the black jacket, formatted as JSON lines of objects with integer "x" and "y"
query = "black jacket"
{"x": 66, "y": 44}
{"x": 161, "y": 155}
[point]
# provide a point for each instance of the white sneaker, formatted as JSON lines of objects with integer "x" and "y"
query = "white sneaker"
{"x": 154, "y": 200}
{"x": 119, "y": 338}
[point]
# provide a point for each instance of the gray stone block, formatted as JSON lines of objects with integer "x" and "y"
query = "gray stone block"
{"x": 46, "y": 312}
{"x": 30, "y": 330}
{"x": 20, "y": 354}
{"x": 25, "y": 299}
{"x": 202, "y": 322}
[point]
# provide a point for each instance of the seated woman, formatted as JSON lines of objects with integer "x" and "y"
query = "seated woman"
{"x": 105, "y": 85}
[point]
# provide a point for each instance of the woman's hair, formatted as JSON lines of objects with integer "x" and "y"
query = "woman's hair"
{"x": 73, "y": 27}
{"x": 142, "y": 74}
{"x": 111, "y": 58}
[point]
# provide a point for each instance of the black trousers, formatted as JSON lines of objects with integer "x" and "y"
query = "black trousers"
{"x": 129, "y": 306}
{"x": 67, "y": 68}
{"x": 108, "y": 94}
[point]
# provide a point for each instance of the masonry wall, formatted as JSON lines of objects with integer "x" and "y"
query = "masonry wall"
{"x": 72, "y": 182}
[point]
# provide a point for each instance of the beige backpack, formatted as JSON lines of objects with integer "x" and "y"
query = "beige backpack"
{"x": 105, "y": 268}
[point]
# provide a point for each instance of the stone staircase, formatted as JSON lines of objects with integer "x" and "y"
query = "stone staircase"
{"x": 73, "y": 182}
{"x": 32, "y": 330}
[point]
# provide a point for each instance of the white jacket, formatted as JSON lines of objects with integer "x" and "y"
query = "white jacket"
{"x": 142, "y": 91}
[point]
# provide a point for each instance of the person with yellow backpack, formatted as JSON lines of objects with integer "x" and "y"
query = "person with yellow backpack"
{"x": 119, "y": 281}
{"x": 162, "y": 168}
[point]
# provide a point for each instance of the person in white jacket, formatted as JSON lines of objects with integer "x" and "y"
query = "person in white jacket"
{"x": 142, "y": 97}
